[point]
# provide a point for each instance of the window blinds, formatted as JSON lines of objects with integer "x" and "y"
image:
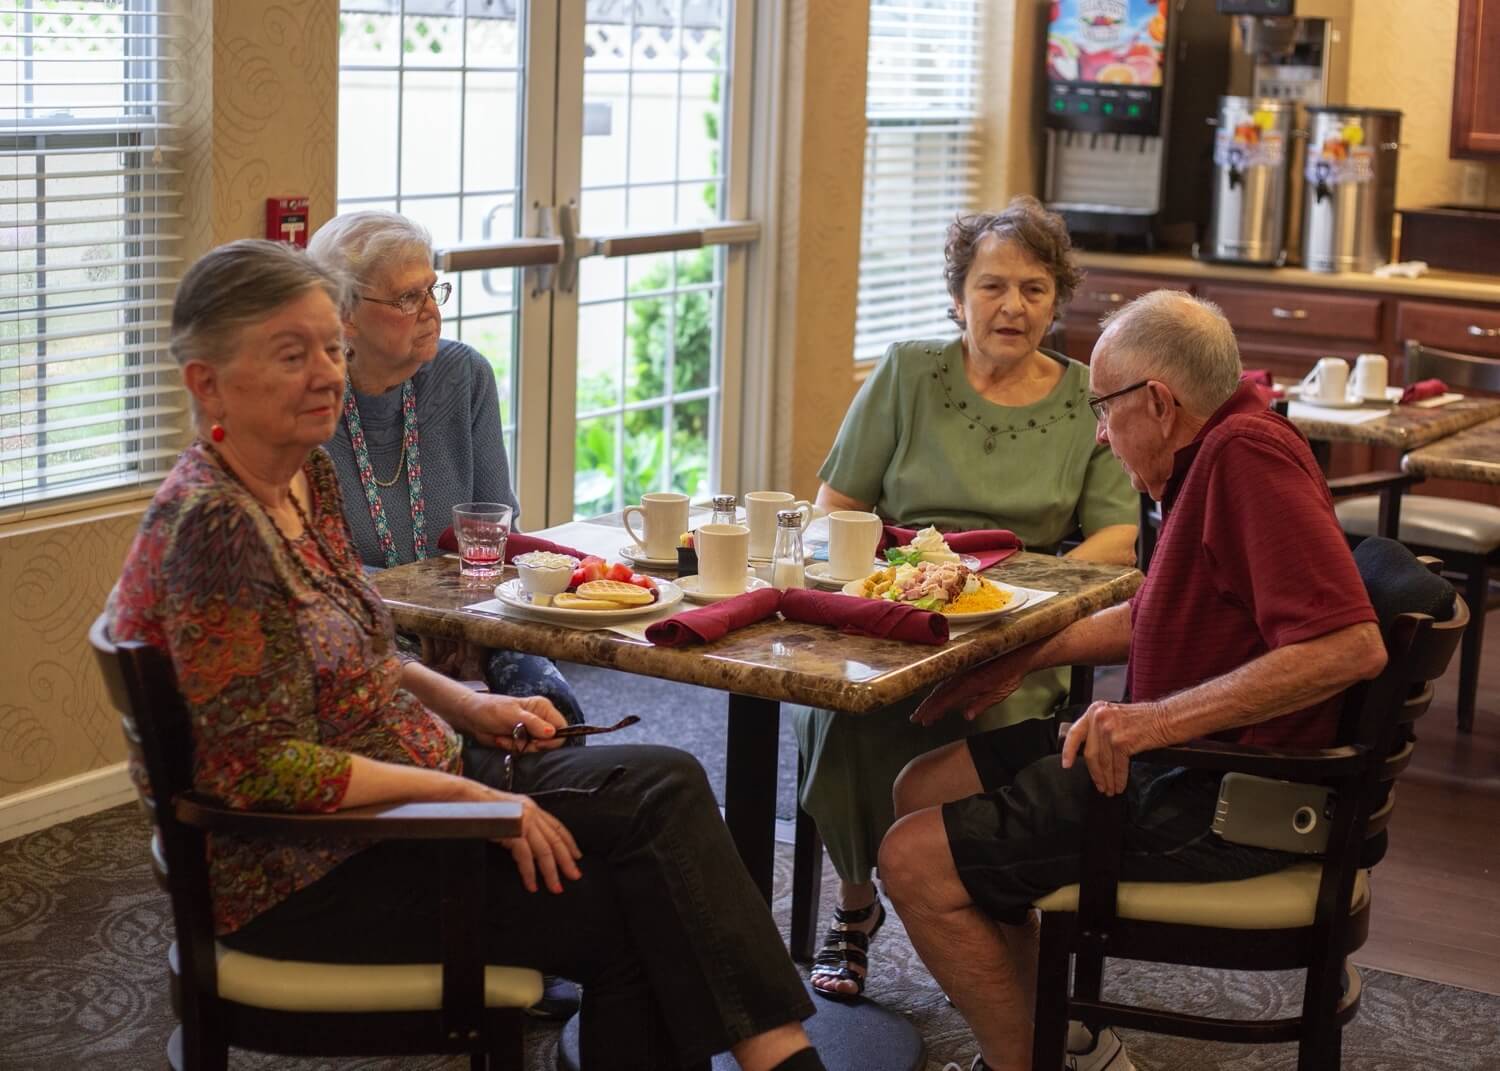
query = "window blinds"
{"x": 921, "y": 164}
{"x": 89, "y": 398}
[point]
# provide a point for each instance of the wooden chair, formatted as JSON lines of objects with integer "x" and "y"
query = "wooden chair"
{"x": 1465, "y": 535}
{"x": 224, "y": 997}
{"x": 1310, "y": 916}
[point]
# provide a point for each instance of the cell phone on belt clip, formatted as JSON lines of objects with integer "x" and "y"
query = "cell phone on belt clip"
{"x": 1265, "y": 813}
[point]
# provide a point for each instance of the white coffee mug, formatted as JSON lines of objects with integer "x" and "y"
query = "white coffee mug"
{"x": 1371, "y": 375}
{"x": 723, "y": 558}
{"x": 761, "y": 508}
{"x": 664, "y": 517}
{"x": 1328, "y": 381}
{"x": 853, "y": 537}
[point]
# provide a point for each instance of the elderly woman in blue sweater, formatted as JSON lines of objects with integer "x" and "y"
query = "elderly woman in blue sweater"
{"x": 420, "y": 431}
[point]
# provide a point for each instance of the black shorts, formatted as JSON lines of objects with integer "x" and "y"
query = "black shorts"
{"x": 1021, "y": 837}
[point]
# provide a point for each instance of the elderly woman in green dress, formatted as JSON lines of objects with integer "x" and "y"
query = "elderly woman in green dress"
{"x": 987, "y": 430}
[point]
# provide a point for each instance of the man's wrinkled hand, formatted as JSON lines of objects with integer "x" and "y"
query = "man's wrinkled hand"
{"x": 974, "y": 692}
{"x": 1108, "y": 734}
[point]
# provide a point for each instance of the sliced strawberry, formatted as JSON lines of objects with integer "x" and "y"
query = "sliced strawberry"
{"x": 618, "y": 571}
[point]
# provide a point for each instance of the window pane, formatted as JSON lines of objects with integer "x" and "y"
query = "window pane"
{"x": 367, "y": 150}
{"x": 369, "y": 36}
{"x": 594, "y": 458}
{"x": 430, "y": 145}
{"x": 490, "y": 140}
{"x": 690, "y": 448}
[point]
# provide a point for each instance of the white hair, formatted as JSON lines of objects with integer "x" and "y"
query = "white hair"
{"x": 1183, "y": 341}
{"x": 362, "y": 245}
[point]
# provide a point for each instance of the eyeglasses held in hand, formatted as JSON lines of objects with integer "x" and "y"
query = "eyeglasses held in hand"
{"x": 520, "y": 738}
{"x": 411, "y": 302}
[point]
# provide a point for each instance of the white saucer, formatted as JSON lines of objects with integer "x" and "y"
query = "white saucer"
{"x": 636, "y": 553}
{"x": 818, "y": 573}
{"x": 690, "y": 592}
{"x": 1343, "y": 403}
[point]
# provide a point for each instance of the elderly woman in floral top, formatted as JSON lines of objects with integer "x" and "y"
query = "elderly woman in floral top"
{"x": 243, "y": 572}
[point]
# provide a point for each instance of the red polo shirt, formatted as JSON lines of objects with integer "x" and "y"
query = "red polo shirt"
{"x": 1250, "y": 558}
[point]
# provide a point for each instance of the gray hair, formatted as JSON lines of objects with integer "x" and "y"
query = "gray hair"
{"x": 362, "y": 244}
{"x": 1183, "y": 341}
{"x": 238, "y": 285}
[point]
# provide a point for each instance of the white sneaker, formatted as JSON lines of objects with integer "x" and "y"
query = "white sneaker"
{"x": 1106, "y": 1054}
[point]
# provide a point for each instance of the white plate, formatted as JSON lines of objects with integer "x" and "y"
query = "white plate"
{"x": 514, "y": 595}
{"x": 1350, "y": 401}
{"x": 690, "y": 592}
{"x": 634, "y": 552}
{"x": 1018, "y": 599}
{"x": 818, "y": 573}
{"x": 968, "y": 561}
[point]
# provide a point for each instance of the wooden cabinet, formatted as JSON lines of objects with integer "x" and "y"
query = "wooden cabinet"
{"x": 1472, "y": 329}
{"x": 1476, "y": 81}
{"x": 1102, "y": 293}
{"x": 1280, "y": 310}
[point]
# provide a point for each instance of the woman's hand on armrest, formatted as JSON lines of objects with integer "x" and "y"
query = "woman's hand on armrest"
{"x": 544, "y": 846}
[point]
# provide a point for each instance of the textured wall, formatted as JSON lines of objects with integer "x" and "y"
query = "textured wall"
{"x": 1402, "y": 57}
{"x": 821, "y": 185}
{"x": 258, "y": 120}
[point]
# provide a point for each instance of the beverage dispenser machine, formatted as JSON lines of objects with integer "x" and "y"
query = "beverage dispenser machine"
{"x": 1131, "y": 87}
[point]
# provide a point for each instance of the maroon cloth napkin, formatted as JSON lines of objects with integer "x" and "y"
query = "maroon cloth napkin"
{"x": 989, "y": 545}
{"x": 1422, "y": 390}
{"x": 712, "y": 622}
{"x": 865, "y": 617}
{"x": 515, "y": 543}
{"x": 1264, "y": 382}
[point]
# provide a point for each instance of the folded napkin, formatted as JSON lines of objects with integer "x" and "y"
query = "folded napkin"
{"x": 515, "y": 543}
{"x": 1263, "y": 382}
{"x": 712, "y": 622}
{"x": 989, "y": 545}
{"x": 864, "y": 617}
{"x": 1422, "y": 390}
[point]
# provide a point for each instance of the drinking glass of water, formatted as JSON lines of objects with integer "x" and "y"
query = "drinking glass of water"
{"x": 481, "y": 529}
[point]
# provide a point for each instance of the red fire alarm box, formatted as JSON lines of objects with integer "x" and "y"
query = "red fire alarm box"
{"x": 286, "y": 220}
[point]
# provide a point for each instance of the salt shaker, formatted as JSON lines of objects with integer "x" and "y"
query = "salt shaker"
{"x": 723, "y": 510}
{"x": 786, "y": 555}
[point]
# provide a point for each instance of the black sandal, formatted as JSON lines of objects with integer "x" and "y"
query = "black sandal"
{"x": 845, "y": 955}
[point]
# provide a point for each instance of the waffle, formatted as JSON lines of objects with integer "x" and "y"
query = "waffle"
{"x": 617, "y": 592}
{"x": 566, "y": 601}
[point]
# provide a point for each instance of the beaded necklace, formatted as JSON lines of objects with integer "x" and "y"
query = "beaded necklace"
{"x": 991, "y": 431}
{"x": 366, "y": 614}
{"x": 411, "y": 458}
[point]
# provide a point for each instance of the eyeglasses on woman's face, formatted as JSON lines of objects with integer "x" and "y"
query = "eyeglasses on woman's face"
{"x": 411, "y": 302}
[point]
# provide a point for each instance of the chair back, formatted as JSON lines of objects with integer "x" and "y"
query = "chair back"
{"x": 158, "y": 734}
{"x": 1457, "y": 370}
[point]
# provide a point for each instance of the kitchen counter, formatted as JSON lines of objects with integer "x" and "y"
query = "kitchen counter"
{"x": 1435, "y": 284}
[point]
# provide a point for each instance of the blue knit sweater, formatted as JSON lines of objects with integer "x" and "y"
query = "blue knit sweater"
{"x": 462, "y": 450}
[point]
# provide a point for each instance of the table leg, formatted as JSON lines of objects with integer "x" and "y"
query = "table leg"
{"x": 750, "y": 784}
{"x": 1322, "y": 452}
{"x": 1390, "y": 513}
{"x": 807, "y": 885}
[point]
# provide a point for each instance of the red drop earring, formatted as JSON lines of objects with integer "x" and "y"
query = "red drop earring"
{"x": 216, "y": 433}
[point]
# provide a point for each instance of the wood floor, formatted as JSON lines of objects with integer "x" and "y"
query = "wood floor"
{"x": 1436, "y": 912}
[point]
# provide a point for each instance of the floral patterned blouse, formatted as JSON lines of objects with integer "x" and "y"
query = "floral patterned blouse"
{"x": 284, "y": 679}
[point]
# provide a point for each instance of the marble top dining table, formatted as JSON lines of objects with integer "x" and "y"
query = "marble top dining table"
{"x": 1472, "y": 454}
{"x": 1405, "y": 427}
{"x": 763, "y": 665}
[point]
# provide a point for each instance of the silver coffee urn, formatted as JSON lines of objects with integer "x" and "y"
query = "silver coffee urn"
{"x": 1349, "y": 189}
{"x": 1252, "y": 150}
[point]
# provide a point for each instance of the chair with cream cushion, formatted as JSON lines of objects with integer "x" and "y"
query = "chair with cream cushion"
{"x": 1465, "y": 535}
{"x": 228, "y": 998}
{"x": 1310, "y": 916}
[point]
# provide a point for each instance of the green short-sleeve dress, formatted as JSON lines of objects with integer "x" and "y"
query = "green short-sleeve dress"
{"x": 927, "y": 449}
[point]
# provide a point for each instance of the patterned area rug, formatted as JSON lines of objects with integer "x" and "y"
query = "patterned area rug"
{"x": 84, "y": 932}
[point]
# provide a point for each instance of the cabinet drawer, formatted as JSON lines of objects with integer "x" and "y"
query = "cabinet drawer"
{"x": 1103, "y": 292}
{"x": 1312, "y": 314}
{"x": 1466, "y": 328}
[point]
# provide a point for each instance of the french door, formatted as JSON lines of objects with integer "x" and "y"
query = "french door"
{"x": 582, "y": 165}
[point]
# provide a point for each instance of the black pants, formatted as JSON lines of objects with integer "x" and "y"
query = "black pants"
{"x": 675, "y": 949}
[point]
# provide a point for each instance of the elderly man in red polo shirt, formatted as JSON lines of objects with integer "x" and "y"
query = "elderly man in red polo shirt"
{"x": 1252, "y": 621}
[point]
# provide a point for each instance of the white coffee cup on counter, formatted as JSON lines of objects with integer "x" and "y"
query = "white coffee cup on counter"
{"x": 723, "y": 558}
{"x": 664, "y": 517}
{"x": 853, "y": 537}
{"x": 1371, "y": 376}
{"x": 761, "y": 508}
{"x": 1328, "y": 381}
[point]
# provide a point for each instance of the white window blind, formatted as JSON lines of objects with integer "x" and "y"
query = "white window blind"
{"x": 89, "y": 397}
{"x": 921, "y": 164}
